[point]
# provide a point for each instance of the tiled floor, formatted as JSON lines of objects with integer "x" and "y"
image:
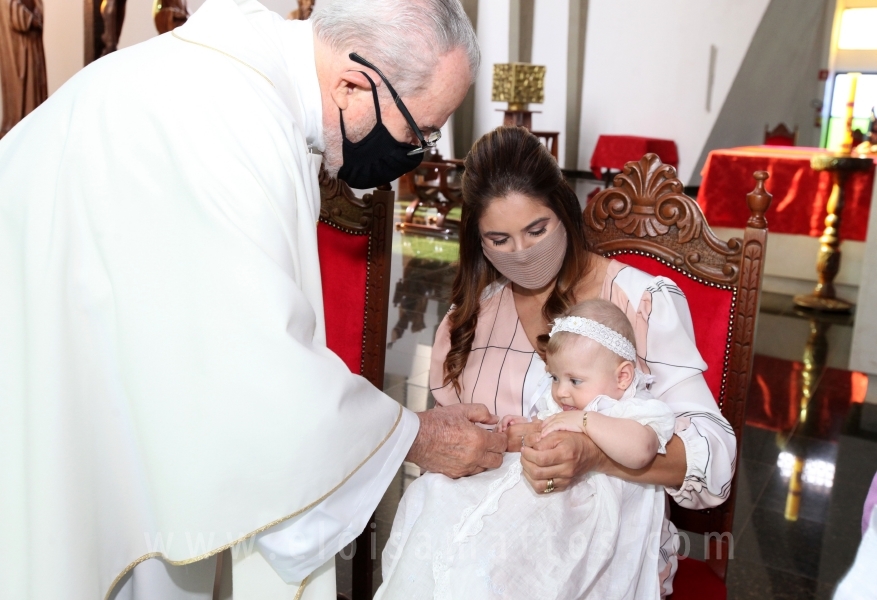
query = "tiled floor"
{"x": 805, "y": 412}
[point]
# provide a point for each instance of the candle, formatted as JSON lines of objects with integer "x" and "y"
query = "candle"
{"x": 847, "y": 146}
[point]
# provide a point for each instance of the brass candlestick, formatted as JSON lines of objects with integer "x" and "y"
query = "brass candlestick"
{"x": 828, "y": 261}
{"x": 518, "y": 84}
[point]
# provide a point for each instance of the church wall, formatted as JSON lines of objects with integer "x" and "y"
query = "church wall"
{"x": 493, "y": 36}
{"x": 863, "y": 353}
{"x": 139, "y": 26}
{"x": 550, "y": 49}
{"x": 647, "y": 69}
{"x": 63, "y": 40}
{"x": 778, "y": 80}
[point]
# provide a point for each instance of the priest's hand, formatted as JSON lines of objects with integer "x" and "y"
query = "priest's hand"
{"x": 450, "y": 443}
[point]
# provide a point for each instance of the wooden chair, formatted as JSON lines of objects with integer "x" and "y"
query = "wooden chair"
{"x": 646, "y": 221}
{"x": 780, "y": 135}
{"x": 550, "y": 139}
{"x": 435, "y": 183}
{"x": 354, "y": 238}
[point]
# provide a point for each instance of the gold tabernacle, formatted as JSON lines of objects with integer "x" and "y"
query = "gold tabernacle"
{"x": 518, "y": 84}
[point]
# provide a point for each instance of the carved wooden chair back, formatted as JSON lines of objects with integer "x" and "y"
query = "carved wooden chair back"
{"x": 354, "y": 245}
{"x": 646, "y": 221}
{"x": 780, "y": 135}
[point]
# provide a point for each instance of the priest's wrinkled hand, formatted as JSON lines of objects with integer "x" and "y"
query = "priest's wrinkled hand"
{"x": 450, "y": 443}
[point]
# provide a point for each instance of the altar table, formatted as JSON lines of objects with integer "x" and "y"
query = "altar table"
{"x": 800, "y": 194}
{"x": 614, "y": 151}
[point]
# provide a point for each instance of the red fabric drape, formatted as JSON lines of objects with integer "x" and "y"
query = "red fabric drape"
{"x": 800, "y": 194}
{"x": 614, "y": 151}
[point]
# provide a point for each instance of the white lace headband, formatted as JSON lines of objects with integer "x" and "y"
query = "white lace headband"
{"x": 598, "y": 332}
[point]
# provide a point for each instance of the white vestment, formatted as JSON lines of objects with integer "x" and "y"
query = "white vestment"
{"x": 165, "y": 388}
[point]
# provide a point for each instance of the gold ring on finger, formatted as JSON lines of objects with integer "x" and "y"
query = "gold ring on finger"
{"x": 550, "y": 487}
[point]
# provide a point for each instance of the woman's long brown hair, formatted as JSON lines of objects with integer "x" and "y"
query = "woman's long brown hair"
{"x": 508, "y": 160}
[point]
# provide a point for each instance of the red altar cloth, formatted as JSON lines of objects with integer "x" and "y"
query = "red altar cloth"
{"x": 800, "y": 194}
{"x": 614, "y": 151}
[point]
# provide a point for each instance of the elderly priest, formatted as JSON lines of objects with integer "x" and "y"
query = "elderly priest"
{"x": 165, "y": 388}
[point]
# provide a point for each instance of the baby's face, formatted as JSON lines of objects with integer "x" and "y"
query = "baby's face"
{"x": 582, "y": 370}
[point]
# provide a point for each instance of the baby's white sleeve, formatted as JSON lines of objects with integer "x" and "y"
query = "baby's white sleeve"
{"x": 649, "y": 412}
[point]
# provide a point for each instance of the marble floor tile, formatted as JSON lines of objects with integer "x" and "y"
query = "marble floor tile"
{"x": 763, "y": 445}
{"x": 816, "y": 461}
{"x": 752, "y": 477}
{"x": 752, "y": 581}
{"x": 773, "y": 541}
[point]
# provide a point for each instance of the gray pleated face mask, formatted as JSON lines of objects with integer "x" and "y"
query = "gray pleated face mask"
{"x": 534, "y": 267}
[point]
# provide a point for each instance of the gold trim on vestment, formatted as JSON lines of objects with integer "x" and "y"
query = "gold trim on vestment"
{"x": 182, "y": 39}
{"x": 188, "y": 561}
{"x": 301, "y": 588}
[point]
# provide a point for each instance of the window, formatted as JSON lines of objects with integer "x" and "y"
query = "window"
{"x": 858, "y": 29}
{"x": 866, "y": 99}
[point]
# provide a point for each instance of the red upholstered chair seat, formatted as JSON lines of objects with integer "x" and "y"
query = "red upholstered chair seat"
{"x": 711, "y": 307}
{"x": 344, "y": 270}
{"x": 695, "y": 580}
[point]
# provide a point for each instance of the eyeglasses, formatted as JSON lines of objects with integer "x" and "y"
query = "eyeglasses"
{"x": 427, "y": 141}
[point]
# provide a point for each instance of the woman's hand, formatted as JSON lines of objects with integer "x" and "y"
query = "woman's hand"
{"x": 517, "y": 433}
{"x": 561, "y": 456}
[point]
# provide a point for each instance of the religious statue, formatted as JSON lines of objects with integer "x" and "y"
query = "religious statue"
{"x": 303, "y": 12}
{"x": 22, "y": 60}
{"x": 113, "y": 14}
{"x": 169, "y": 14}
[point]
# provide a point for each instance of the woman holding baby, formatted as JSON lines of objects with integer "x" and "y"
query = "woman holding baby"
{"x": 524, "y": 261}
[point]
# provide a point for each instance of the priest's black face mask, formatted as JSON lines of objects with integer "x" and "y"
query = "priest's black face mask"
{"x": 377, "y": 158}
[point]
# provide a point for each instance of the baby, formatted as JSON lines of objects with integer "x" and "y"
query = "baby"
{"x": 590, "y": 358}
{"x": 492, "y": 536}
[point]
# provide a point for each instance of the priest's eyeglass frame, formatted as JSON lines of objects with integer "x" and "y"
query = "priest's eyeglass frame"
{"x": 428, "y": 141}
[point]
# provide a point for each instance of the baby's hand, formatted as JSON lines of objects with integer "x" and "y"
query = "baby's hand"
{"x": 509, "y": 420}
{"x": 569, "y": 420}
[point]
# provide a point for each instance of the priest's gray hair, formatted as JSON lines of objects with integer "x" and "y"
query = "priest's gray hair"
{"x": 403, "y": 38}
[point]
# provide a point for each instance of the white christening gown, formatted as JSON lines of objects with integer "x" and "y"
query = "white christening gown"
{"x": 491, "y": 536}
